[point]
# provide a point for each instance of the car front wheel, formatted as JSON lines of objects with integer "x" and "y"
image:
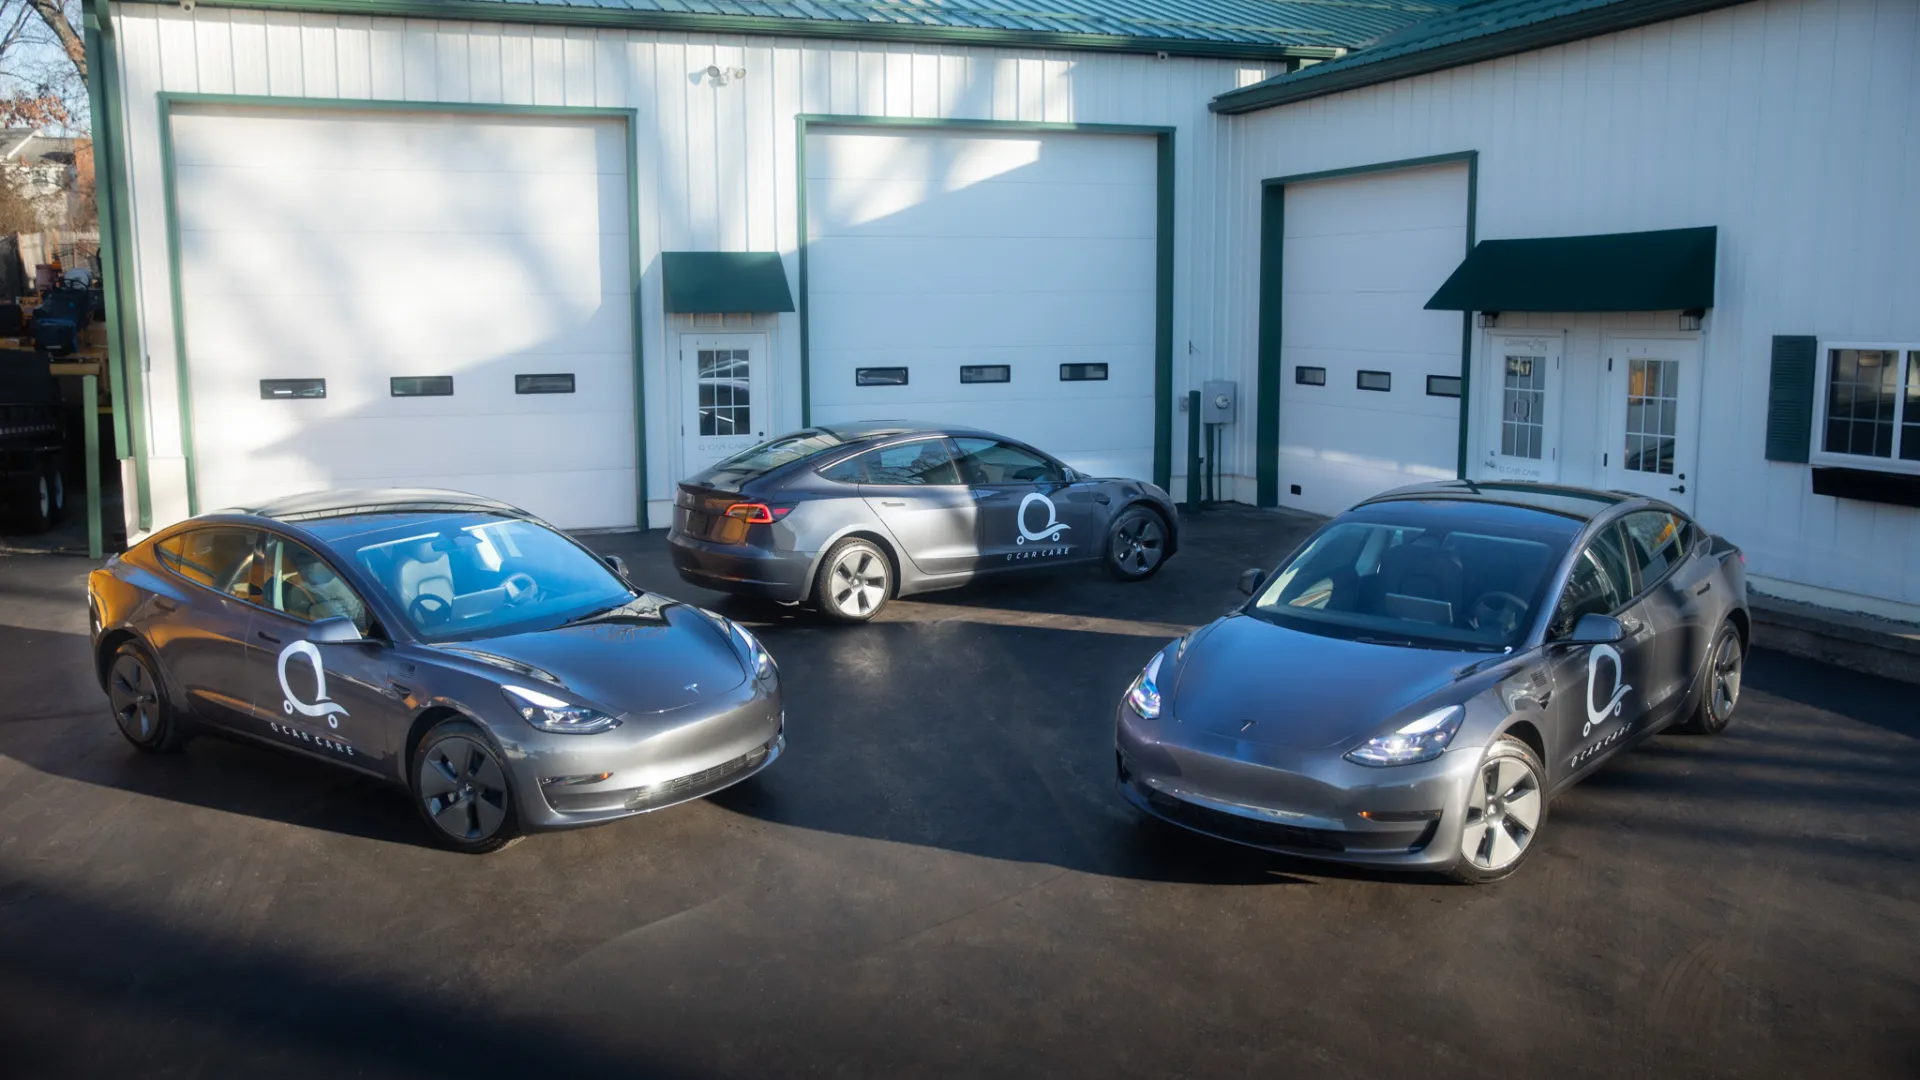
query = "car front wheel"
{"x": 461, "y": 788}
{"x": 1506, "y": 811}
{"x": 1136, "y": 544}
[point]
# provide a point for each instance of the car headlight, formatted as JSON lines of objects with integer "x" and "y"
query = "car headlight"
{"x": 549, "y": 713}
{"x": 759, "y": 660}
{"x": 1144, "y": 695}
{"x": 1422, "y": 740}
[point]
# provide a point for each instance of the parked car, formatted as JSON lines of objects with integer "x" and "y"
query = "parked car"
{"x": 850, "y": 516}
{"x": 1419, "y": 679}
{"x": 509, "y": 678}
{"x": 32, "y": 442}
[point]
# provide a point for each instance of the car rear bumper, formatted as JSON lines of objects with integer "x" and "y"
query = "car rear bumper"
{"x": 1312, "y": 803}
{"x": 741, "y": 570}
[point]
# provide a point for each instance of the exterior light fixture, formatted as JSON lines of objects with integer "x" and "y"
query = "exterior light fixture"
{"x": 1690, "y": 318}
{"x": 1489, "y": 320}
{"x": 720, "y": 76}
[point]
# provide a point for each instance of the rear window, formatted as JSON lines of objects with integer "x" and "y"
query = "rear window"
{"x": 770, "y": 455}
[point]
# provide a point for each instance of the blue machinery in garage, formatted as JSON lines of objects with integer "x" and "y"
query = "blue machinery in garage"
{"x": 1211, "y": 408}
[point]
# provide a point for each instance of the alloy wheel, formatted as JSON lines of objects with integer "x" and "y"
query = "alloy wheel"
{"x": 134, "y": 697}
{"x": 1726, "y": 677}
{"x": 1503, "y": 814}
{"x": 857, "y": 583}
{"x": 1139, "y": 544}
{"x": 464, "y": 789}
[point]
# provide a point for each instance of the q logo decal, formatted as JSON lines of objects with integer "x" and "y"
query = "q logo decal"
{"x": 1598, "y": 716}
{"x": 321, "y": 706}
{"x": 1047, "y": 533}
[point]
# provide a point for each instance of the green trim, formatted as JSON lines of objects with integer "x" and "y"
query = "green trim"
{"x": 630, "y": 117}
{"x": 126, "y": 366}
{"x": 1163, "y": 251}
{"x": 1360, "y": 70}
{"x": 724, "y": 282}
{"x": 1266, "y": 441}
{"x": 547, "y": 14}
{"x": 89, "y": 395}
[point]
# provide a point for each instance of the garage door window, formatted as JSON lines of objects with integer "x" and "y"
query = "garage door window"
{"x": 272, "y": 389}
{"x": 543, "y": 384}
{"x": 420, "y": 386}
{"x": 880, "y": 376}
{"x": 1310, "y": 376}
{"x": 1374, "y": 380}
{"x": 984, "y": 373}
{"x": 726, "y": 406}
{"x": 1083, "y": 373}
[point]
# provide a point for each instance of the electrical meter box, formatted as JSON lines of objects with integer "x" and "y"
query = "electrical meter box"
{"x": 1218, "y": 399}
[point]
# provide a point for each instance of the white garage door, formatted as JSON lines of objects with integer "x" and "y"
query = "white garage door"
{"x": 1021, "y": 257}
{"x": 360, "y": 248}
{"x": 1362, "y": 257}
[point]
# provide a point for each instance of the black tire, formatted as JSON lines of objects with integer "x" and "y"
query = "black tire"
{"x": 462, "y": 789}
{"x": 1136, "y": 544}
{"x": 139, "y": 702}
{"x": 56, "y": 480}
{"x": 33, "y": 503}
{"x": 1726, "y": 665}
{"x": 855, "y": 581}
{"x": 1520, "y": 818}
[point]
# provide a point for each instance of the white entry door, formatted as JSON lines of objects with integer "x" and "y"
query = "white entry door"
{"x": 1653, "y": 431}
{"x": 1522, "y": 395}
{"x": 723, "y": 399}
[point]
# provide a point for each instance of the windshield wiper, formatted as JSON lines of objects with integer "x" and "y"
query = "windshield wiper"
{"x": 1403, "y": 643}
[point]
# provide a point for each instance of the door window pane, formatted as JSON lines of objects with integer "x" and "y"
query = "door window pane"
{"x": 725, "y": 392}
{"x": 1599, "y": 584}
{"x": 984, "y": 461}
{"x": 1657, "y": 541}
{"x": 1653, "y": 396}
{"x": 217, "y": 558}
{"x": 1910, "y": 411}
{"x": 1523, "y": 399}
{"x": 1861, "y": 386}
{"x": 926, "y": 461}
{"x": 301, "y": 585}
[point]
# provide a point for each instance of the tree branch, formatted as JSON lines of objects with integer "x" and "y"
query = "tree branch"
{"x": 55, "y": 17}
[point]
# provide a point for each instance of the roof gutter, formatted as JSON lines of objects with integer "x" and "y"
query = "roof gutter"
{"x": 1612, "y": 18}
{"x": 554, "y": 14}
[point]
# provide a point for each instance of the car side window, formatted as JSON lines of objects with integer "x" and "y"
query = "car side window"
{"x": 988, "y": 461}
{"x": 219, "y": 558}
{"x": 1657, "y": 541}
{"x": 924, "y": 461}
{"x": 301, "y": 585}
{"x": 1600, "y": 584}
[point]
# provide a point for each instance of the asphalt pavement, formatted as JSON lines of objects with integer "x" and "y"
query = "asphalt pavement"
{"x": 938, "y": 880}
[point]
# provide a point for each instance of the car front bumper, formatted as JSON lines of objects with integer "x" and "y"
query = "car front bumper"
{"x": 649, "y": 762}
{"x": 741, "y": 569}
{"x": 1309, "y": 803}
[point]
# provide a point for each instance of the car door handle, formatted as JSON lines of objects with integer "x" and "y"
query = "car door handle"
{"x": 264, "y": 636}
{"x": 893, "y": 502}
{"x": 1701, "y": 589}
{"x": 165, "y": 604}
{"x": 1103, "y": 499}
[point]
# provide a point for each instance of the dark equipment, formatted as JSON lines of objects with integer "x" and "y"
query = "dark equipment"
{"x": 32, "y": 442}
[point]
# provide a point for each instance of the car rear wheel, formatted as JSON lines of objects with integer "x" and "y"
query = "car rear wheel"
{"x": 1506, "y": 811}
{"x": 140, "y": 706}
{"x": 1715, "y": 710}
{"x": 1136, "y": 544}
{"x": 855, "y": 581}
{"x": 461, "y": 788}
{"x": 55, "y": 487}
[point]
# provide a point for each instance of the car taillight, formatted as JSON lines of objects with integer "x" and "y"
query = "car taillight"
{"x": 756, "y": 513}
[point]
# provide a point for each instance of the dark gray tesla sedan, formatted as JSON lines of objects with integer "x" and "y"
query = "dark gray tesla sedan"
{"x": 1431, "y": 667}
{"x": 849, "y": 516}
{"x": 508, "y": 677}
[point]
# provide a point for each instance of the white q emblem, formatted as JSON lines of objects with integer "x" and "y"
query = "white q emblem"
{"x": 1048, "y": 532}
{"x": 1596, "y": 717}
{"x": 293, "y": 704}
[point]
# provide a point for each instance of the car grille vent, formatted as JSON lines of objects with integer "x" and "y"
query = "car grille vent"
{"x": 1245, "y": 830}
{"x": 677, "y": 788}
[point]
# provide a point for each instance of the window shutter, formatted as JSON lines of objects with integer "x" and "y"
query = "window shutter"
{"x": 1790, "y": 398}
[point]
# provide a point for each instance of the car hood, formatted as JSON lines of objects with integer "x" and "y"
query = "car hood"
{"x": 1302, "y": 691}
{"x": 648, "y": 656}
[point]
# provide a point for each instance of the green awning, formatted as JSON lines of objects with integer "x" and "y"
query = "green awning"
{"x": 1668, "y": 270}
{"x": 724, "y": 282}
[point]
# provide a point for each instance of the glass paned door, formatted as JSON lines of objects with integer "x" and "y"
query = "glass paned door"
{"x": 723, "y": 393}
{"x": 1652, "y": 432}
{"x": 1523, "y": 384}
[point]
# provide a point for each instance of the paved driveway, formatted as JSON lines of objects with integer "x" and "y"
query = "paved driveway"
{"x": 939, "y": 881}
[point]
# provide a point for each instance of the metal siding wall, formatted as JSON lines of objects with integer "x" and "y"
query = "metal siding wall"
{"x": 717, "y": 166}
{"x": 1790, "y": 125}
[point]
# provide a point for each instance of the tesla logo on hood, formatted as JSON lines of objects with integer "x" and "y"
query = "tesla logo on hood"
{"x": 1598, "y": 716}
{"x": 321, "y": 706}
{"x": 1047, "y": 532}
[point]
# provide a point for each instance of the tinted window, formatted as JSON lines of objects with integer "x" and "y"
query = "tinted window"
{"x": 1657, "y": 540}
{"x": 925, "y": 461}
{"x": 1600, "y": 583}
{"x": 1439, "y": 583}
{"x": 985, "y": 461}
{"x": 220, "y": 559}
{"x": 300, "y": 584}
{"x": 770, "y": 455}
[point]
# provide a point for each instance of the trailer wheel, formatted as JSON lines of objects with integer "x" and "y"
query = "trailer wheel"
{"x": 56, "y": 482}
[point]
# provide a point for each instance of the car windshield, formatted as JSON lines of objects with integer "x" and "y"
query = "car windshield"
{"x": 477, "y": 576}
{"x": 1420, "y": 579}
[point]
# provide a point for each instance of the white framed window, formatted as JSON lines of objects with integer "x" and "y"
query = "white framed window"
{"x": 1866, "y": 405}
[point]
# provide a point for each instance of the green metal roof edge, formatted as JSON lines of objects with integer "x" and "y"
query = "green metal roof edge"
{"x": 555, "y": 14}
{"x": 1355, "y": 71}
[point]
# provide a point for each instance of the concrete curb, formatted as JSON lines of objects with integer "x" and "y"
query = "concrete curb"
{"x": 1861, "y": 643}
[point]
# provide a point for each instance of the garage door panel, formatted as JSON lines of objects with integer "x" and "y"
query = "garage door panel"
{"x": 1335, "y": 470}
{"x": 1386, "y": 202}
{"x": 858, "y": 321}
{"x": 1384, "y": 322}
{"x": 1023, "y": 208}
{"x": 1033, "y": 373}
{"x": 1417, "y": 260}
{"x": 967, "y": 264}
{"x": 1082, "y": 437}
{"x": 1409, "y": 373}
{"x": 359, "y": 247}
{"x": 975, "y": 157}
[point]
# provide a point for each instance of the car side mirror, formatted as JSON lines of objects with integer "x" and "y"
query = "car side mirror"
{"x": 1251, "y": 580}
{"x": 617, "y": 564}
{"x": 338, "y": 630}
{"x": 1596, "y": 629}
